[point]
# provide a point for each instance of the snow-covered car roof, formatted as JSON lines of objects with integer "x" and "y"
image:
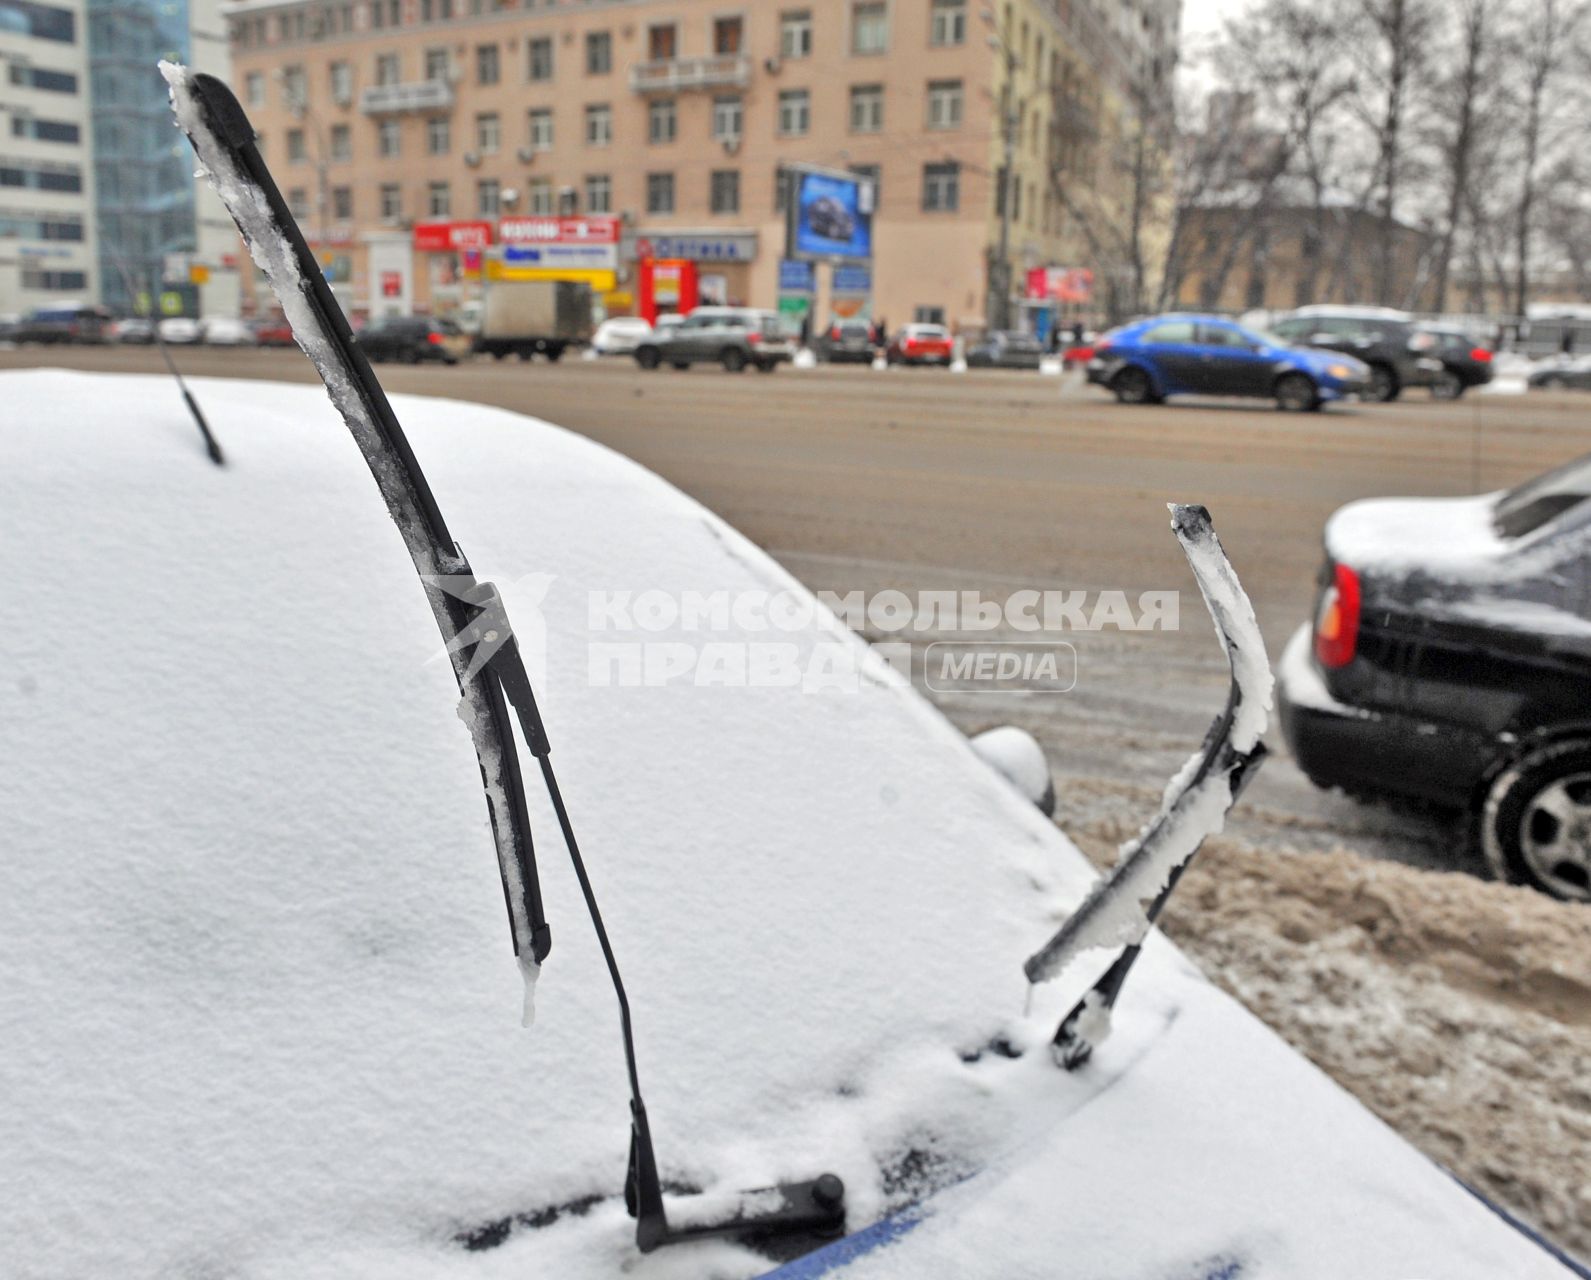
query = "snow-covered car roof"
{"x": 260, "y": 1016}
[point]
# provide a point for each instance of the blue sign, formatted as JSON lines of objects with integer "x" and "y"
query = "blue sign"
{"x": 853, "y": 279}
{"x": 797, "y": 277}
{"x": 831, "y": 218}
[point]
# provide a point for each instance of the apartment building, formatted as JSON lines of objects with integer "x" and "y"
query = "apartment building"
{"x": 46, "y": 167}
{"x": 385, "y": 120}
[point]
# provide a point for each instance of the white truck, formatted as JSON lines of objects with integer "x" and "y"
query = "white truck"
{"x": 530, "y": 317}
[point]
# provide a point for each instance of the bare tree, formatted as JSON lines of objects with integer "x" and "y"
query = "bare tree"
{"x": 1461, "y": 100}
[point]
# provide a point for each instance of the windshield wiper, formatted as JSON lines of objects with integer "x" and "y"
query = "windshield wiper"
{"x": 1122, "y": 908}
{"x": 471, "y": 616}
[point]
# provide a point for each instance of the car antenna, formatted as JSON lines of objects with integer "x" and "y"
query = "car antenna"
{"x": 1195, "y": 804}
{"x": 211, "y": 446}
{"x": 471, "y": 615}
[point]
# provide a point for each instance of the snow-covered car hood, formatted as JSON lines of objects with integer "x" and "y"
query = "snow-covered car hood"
{"x": 260, "y": 1019}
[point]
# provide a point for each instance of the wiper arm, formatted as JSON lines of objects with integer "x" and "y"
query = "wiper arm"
{"x": 486, "y": 660}
{"x": 1195, "y": 805}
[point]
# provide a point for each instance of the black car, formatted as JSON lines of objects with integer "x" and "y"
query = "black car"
{"x": 1004, "y": 349}
{"x": 828, "y": 218}
{"x": 1466, "y": 363}
{"x": 1559, "y": 373}
{"x": 411, "y": 339}
{"x": 1450, "y": 662}
{"x": 846, "y": 340}
{"x": 1385, "y": 340}
{"x": 66, "y": 322}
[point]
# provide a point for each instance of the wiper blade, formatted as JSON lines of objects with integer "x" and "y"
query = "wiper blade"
{"x": 471, "y": 616}
{"x": 1122, "y": 908}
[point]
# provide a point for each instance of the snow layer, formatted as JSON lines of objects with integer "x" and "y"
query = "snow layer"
{"x": 260, "y": 1018}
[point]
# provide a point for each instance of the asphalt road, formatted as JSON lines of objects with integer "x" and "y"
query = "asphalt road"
{"x": 923, "y": 480}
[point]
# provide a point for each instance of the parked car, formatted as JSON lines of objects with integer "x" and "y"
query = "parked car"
{"x": 920, "y": 344}
{"x": 1004, "y": 349}
{"x": 180, "y": 331}
{"x": 845, "y": 340}
{"x": 9, "y": 324}
{"x": 412, "y": 339}
{"x": 1573, "y": 372}
{"x": 65, "y": 322}
{"x": 1449, "y": 661}
{"x": 620, "y": 336}
{"x": 273, "y": 331}
{"x": 1384, "y": 339}
{"x": 829, "y": 218}
{"x": 136, "y": 331}
{"x": 1466, "y": 363}
{"x": 734, "y": 337}
{"x": 226, "y": 331}
{"x": 1169, "y": 355}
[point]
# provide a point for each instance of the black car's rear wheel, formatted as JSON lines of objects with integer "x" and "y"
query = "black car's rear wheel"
{"x": 1132, "y": 386}
{"x": 733, "y": 359}
{"x": 1447, "y": 385}
{"x": 1535, "y": 827}
{"x": 648, "y": 357}
{"x": 1383, "y": 384}
{"x": 1296, "y": 393}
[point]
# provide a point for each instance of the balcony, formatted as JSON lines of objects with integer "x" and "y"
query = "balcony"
{"x": 399, "y": 99}
{"x": 672, "y": 75}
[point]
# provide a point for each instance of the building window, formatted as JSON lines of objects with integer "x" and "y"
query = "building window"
{"x": 295, "y": 91}
{"x": 728, "y": 118}
{"x": 728, "y": 35}
{"x": 948, "y": 24}
{"x": 342, "y": 143}
{"x": 795, "y": 112}
{"x": 599, "y": 193}
{"x": 488, "y": 133}
{"x": 944, "y": 104}
{"x": 599, "y": 53}
{"x": 25, "y": 76}
{"x": 568, "y": 202}
{"x": 725, "y": 194}
{"x": 662, "y": 120}
{"x": 660, "y": 193}
{"x": 928, "y": 315}
{"x": 662, "y": 42}
{"x": 439, "y": 200}
{"x": 941, "y": 187}
{"x": 867, "y": 108}
{"x": 438, "y": 136}
{"x": 599, "y": 124}
{"x": 54, "y": 281}
{"x": 342, "y": 203}
{"x": 488, "y": 197}
{"x": 541, "y": 129}
{"x": 541, "y": 58}
{"x": 41, "y": 21}
{"x": 869, "y": 27}
{"x": 55, "y": 130}
{"x": 298, "y": 203}
{"x": 795, "y": 34}
{"x": 388, "y": 70}
{"x": 873, "y": 176}
{"x": 295, "y": 145}
{"x": 538, "y": 195}
{"x": 388, "y": 138}
{"x": 487, "y": 66}
{"x": 391, "y": 202}
{"x": 438, "y": 66}
{"x": 253, "y": 88}
{"x": 342, "y": 82}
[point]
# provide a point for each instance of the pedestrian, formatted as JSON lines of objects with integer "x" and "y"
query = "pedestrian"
{"x": 1077, "y": 333}
{"x": 806, "y": 330}
{"x": 881, "y": 333}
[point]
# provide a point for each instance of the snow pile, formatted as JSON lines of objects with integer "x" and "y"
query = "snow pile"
{"x": 260, "y": 1015}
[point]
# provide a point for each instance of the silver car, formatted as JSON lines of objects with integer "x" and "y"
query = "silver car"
{"x": 734, "y": 337}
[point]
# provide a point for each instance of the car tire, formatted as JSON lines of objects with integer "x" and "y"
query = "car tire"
{"x": 1447, "y": 385}
{"x": 1383, "y": 387}
{"x": 1296, "y": 393}
{"x": 648, "y": 357}
{"x": 767, "y": 366}
{"x": 1132, "y": 386}
{"x": 411, "y": 357}
{"x": 1535, "y": 825}
{"x": 733, "y": 359}
{"x": 554, "y": 354}
{"x": 1552, "y": 382}
{"x": 681, "y": 365}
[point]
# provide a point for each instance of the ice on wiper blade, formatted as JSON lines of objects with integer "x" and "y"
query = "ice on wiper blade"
{"x": 479, "y": 640}
{"x": 1122, "y": 907}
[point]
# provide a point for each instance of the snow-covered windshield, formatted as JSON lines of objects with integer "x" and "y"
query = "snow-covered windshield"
{"x": 1526, "y": 508}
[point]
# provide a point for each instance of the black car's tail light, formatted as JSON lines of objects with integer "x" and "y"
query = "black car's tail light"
{"x": 1337, "y": 620}
{"x": 1481, "y": 355}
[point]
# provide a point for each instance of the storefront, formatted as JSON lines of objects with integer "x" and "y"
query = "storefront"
{"x": 449, "y": 257}
{"x": 723, "y": 261}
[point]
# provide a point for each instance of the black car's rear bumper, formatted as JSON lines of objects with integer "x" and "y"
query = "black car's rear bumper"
{"x": 1366, "y": 751}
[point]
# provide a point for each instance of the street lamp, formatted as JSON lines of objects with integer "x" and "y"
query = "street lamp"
{"x": 998, "y": 311}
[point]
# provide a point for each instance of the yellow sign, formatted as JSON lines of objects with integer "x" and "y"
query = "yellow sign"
{"x": 170, "y": 303}
{"x": 198, "y": 274}
{"x": 600, "y": 281}
{"x": 143, "y": 304}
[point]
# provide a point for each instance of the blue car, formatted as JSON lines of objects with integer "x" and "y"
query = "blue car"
{"x": 1148, "y": 360}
